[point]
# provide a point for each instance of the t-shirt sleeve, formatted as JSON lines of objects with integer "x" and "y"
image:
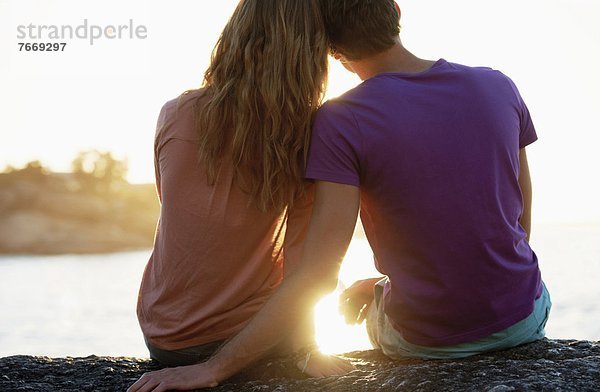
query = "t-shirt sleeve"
{"x": 334, "y": 153}
{"x": 157, "y": 145}
{"x": 527, "y": 134}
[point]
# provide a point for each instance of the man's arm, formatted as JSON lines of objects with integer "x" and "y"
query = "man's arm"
{"x": 298, "y": 219}
{"x": 330, "y": 231}
{"x": 526, "y": 190}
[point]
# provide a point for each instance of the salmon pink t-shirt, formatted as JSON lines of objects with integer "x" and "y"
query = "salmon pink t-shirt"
{"x": 216, "y": 257}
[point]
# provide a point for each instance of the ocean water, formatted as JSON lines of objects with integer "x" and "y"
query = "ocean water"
{"x": 81, "y": 305}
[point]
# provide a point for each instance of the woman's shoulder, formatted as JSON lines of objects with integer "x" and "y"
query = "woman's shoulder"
{"x": 192, "y": 95}
{"x": 184, "y": 101}
{"x": 177, "y": 119}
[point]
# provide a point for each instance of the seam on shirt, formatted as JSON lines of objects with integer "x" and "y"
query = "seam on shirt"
{"x": 362, "y": 155}
{"x": 164, "y": 142}
{"x": 320, "y": 175}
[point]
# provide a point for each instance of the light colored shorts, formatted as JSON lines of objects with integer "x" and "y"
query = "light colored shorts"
{"x": 383, "y": 335}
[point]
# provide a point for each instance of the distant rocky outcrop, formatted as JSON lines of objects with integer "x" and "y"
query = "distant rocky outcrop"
{"x": 548, "y": 365}
{"x": 53, "y": 213}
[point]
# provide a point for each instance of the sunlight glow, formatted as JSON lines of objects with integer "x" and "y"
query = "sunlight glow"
{"x": 333, "y": 335}
{"x": 339, "y": 80}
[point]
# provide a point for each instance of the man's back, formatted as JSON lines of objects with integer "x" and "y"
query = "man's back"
{"x": 436, "y": 156}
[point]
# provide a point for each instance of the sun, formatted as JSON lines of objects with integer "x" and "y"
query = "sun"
{"x": 333, "y": 335}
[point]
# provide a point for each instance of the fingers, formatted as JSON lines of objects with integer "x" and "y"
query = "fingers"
{"x": 339, "y": 367}
{"x": 148, "y": 382}
{"x": 351, "y": 291}
{"x": 363, "y": 313}
{"x": 354, "y": 302}
{"x": 181, "y": 378}
{"x": 353, "y": 310}
{"x": 343, "y": 366}
{"x": 139, "y": 384}
{"x": 321, "y": 365}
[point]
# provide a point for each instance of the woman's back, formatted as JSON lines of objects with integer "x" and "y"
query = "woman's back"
{"x": 229, "y": 161}
{"x": 217, "y": 258}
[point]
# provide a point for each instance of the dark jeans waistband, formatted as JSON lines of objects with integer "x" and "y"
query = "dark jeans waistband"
{"x": 183, "y": 357}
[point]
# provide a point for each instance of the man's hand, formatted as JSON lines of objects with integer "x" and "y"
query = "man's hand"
{"x": 182, "y": 378}
{"x": 356, "y": 299}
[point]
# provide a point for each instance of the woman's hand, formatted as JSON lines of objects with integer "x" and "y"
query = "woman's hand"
{"x": 182, "y": 378}
{"x": 356, "y": 299}
{"x": 316, "y": 364}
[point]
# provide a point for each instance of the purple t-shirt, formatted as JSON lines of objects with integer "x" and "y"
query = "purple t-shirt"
{"x": 436, "y": 157}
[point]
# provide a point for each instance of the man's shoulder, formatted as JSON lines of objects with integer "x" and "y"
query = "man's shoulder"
{"x": 480, "y": 71}
{"x": 333, "y": 106}
{"x": 334, "y": 110}
{"x": 343, "y": 105}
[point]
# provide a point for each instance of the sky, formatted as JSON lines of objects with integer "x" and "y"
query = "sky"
{"x": 107, "y": 95}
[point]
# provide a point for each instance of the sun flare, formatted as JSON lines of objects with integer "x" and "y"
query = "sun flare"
{"x": 333, "y": 335}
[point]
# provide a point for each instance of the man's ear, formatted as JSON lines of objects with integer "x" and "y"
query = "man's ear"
{"x": 337, "y": 55}
{"x": 398, "y": 9}
{"x": 342, "y": 59}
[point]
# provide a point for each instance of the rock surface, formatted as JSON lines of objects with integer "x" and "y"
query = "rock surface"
{"x": 548, "y": 365}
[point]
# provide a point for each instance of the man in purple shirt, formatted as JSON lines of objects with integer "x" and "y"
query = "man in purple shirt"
{"x": 434, "y": 154}
{"x": 437, "y": 151}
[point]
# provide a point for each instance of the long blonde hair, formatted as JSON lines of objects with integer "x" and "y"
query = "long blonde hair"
{"x": 266, "y": 79}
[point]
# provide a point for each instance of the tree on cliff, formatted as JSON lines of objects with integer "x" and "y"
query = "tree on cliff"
{"x": 34, "y": 172}
{"x": 99, "y": 172}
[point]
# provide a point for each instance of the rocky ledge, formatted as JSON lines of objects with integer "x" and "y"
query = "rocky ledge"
{"x": 548, "y": 365}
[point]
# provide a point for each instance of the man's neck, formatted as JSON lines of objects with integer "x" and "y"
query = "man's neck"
{"x": 395, "y": 59}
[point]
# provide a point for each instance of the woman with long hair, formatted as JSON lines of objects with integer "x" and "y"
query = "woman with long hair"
{"x": 230, "y": 161}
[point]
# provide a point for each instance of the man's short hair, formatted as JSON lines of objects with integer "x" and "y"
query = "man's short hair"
{"x": 359, "y": 29}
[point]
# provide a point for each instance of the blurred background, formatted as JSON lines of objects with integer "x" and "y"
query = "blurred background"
{"x": 78, "y": 207}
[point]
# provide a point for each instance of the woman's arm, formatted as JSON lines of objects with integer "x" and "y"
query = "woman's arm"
{"x": 330, "y": 230}
{"x": 313, "y": 363}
